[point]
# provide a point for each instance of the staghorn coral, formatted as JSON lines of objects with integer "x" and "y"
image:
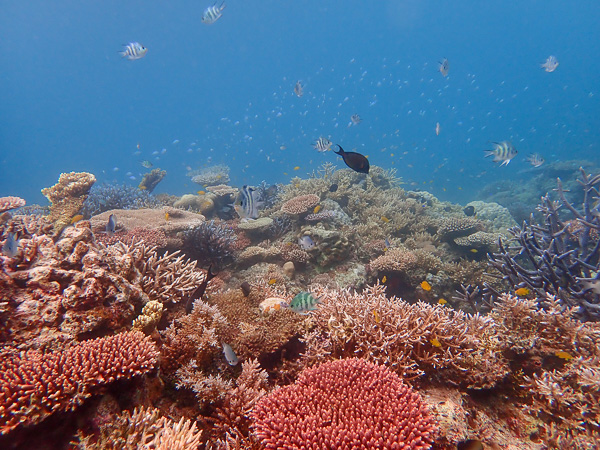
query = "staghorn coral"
{"x": 231, "y": 418}
{"x": 300, "y": 204}
{"x": 402, "y": 336}
{"x": 151, "y": 179}
{"x": 210, "y": 176}
{"x": 151, "y": 237}
{"x": 10, "y": 202}
{"x": 209, "y": 389}
{"x": 145, "y": 428}
{"x": 210, "y": 243}
{"x": 67, "y": 197}
{"x": 35, "y": 384}
{"x": 349, "y": 403}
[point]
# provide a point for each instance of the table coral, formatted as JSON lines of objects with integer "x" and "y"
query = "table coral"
{"x": 67, "y": 197}
{"x": 300, "y": 204}
{"x": 344, "y": 404}
{"x": 8, "y": 203}
{"x": 35, "y": 384}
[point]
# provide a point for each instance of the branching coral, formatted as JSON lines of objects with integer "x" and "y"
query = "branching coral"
{"x": 151, "y": 179}
{"x": 411, "y": 339}
{"x": 210, "y": 243}
{"x": 34, "y": 384}
{"x": 8, "y": 203}
{"x": 547, "y": 259}
{"x": 105, "y": 196}
{"x": 301, "y": 204}
{"x": 210, "y": 176}
{"x": 348, "y": 403}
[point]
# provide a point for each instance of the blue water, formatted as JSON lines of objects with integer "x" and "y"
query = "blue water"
{"x": 69, "y": 102}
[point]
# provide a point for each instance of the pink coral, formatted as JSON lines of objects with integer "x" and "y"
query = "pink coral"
{"x": 300, "y": 204}
{"x": 7, "y": 203}
{"x": 34, "y": 384}
{"x": 348, "y": 403}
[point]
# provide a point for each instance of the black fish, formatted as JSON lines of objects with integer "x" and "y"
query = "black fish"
{"x": 470, "y": 444}
{"x": 355, "y": 161}
{"x": 469, "y": 210}
{"x": 246, "y": 288}
{"x": 333, "y": 187}
{"x": 199, "y": 291}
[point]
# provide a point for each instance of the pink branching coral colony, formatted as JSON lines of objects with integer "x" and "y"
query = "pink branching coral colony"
{"x": 98, "y": 350}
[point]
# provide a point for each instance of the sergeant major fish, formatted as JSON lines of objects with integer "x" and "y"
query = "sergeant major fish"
{"x": 535, "y": 160}
{"x": 503, "y": 151}
{"x": 322, "y": 145}
{"x": 212, "y": 13}
{"x": 133, "y": 51}
{"x": 246, "y": 204}
{"x": 304, "y": 302}
{"x": 550, "y": 64}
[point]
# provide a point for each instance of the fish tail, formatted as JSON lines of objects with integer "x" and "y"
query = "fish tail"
{"x": 489, "y": 153}
{"x": 341, "y": 152}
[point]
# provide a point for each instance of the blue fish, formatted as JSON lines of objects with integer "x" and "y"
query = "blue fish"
{"x": 11, "y": 246}
{"x": 111, "y": 225}
{"x": 306, "y": 243}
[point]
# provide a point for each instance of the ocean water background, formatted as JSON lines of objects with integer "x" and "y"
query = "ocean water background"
{"x": 69, "y": 102}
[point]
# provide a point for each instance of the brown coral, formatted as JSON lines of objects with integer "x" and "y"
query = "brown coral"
{"x": 395, "y": 260}
{"x": 453, "y": 227}
{"x": 300, "y": 204}
{"x": 8, "y": 203}
{"x": 34, "y": 384}
{"x": 67, "y": 197}
{"x": 344, "y": 404}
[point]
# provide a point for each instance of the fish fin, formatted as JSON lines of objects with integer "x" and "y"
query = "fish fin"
{"x": 341, "y": 152}
{"x": 488, "y": 153}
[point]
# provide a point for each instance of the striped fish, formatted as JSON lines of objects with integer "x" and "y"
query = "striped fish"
{"x": 133, "y": 51}
{"x": 246, "y": 204}
{"x": 535, "y": 160}
{"x": 503, "y": 151}
{"x": 304, "y": 302}
{"x": 322, "y": 144}
{"x": 212, "y": 13}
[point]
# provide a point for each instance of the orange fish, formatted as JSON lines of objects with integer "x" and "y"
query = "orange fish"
{"x": 564, "y": 355}
{"x": 317, "y": 209}
{"x": 441, "y": 301}
{"x": 167, "y": 216}
{"x": 425, "y": 286}
{"x": 384, "y": 279}
{"x": 297, "y": 168}
{"x": 522, "y": 292}
{"x": 435, "y": 342}
{"x": 76, "y": 218}
{"x": 385, "y": 219}
{"x": 376, "y": 316}
{"x": 272, "y": 281}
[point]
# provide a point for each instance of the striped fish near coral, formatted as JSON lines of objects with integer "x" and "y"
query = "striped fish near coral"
{"x": 133, "y": 51}
{"x": 303, "y": 303}
{"x": 212, "y": 13}
{"x": 503, "y": 151}
{"x": 246, "y": 204}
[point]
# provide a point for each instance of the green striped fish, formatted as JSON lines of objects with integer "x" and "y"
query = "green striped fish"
{"x": 303, "y": 302}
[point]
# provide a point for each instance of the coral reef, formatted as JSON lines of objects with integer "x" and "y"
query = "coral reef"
{"x": 210, "y": 243}
{"x": 151, "y": 179}
{"x": 210, "y": 176}
{"x": 67, "y": 197}
{"x": 300, "y": 204}
{"x": 348, "y": 403}
{"x": 35, "y": 384}
{"x": 8, "y": 203}
{"x": 107, "y": 196}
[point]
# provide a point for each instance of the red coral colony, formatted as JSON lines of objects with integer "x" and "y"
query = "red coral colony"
{"x": 340, "y": 318}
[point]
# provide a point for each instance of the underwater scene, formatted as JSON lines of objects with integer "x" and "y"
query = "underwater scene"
{"x": 299, "y": 225}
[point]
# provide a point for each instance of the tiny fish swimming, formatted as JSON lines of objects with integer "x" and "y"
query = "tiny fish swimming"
{"x": 306, "y": 243}
{"x": 212, "y": 13}
{"x": 535, "y": 160}
{"x": 503, "y": 151}
{"x": 355, "y": 119}
{"x": 322, "y": 145}
{"x": 111, "y": 225}
{"x": 550, "y": 64}
{"x": 230, "y": 355}
{"x": 133, "y": 51}
{"x": 444, "y": 67}
{"x": 299, "y": 89}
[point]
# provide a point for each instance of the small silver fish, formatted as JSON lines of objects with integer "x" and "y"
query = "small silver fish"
{"x": 444, "y": 67}
{"x": 322, "y": 145}
{"x": 133, "y": 51}
{"x": 535, "y": 160}
{"x": 355, "y": 119}
{"x": 11, "y": 245}
{"x": 147, "y": 164}
{"x": 503, "y": 151}
{"x": 212, "y": 13}
{"x": 299, "y": 89}
{"x": 230, "y": 355}
{"x": 111, "y": 225}
{"x": 306, "y": 243}
{"x": 550, "y": 64}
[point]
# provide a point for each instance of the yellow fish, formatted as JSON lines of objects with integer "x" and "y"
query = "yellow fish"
{"x": 384, "y": 279}
{"x": 522, "y": 292}
{"x": 473, "y": 250}
{"x": 317, "y": 209}
{"x": 201, "y": 192}
{"x": 441, "y": 301}
{"x": 297, "y": 168}
{"x": 435, "y": 342}
{"x": 167, "y": 217}
{"x": 76, "y": 218}
{"x": 376, "y": 316}
{"x": 272, "y": 281}
{"x": 385, "y": 219}
{"x": 141, "y": 187}
{"x": 564, "y": 355}
{"x": 425, "y": 286}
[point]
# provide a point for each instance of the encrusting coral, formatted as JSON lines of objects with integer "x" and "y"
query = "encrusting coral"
{"x": 67, "y": 197}
{"x": 349, "y": 403}
{"x": 35, "y": 384}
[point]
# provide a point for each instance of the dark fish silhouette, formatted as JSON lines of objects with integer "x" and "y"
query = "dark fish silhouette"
{"x": 355, "y": 161}
{"x": 246, "y": 288}
{"x": 333, "y": 187}
{"x": 199, "y": 291}
{"x": 470, "y": 444}
{"x": 469, "y": 210}
{"x": 111, "y": 225}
